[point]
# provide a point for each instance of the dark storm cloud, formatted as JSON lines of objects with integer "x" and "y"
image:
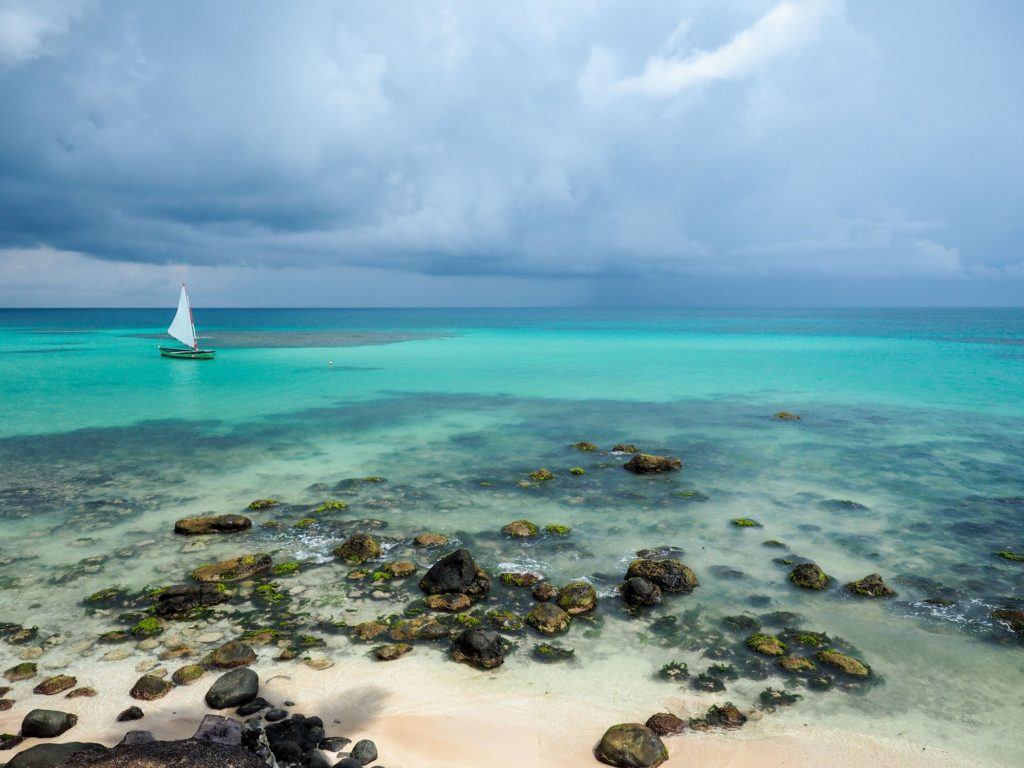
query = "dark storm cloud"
{"x": 578, "y": 140}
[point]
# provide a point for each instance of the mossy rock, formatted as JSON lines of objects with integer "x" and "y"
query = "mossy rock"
{"x": 674, "y": 671}
{"x": 521, "y": 529}
{"x": 270, "y": 593}
{"x": 810, "y": 576}
{"x": 285, "y": 569}
{"x": 520, "y": 579}
{"x": 233, "y": 569}
{"x": 332, "y": 505}
{"x": 584, "y": 446}
{"x": 1014, "y": 557}
{"x": 369, "y": 630}
{"x": 188, "y": 674}
{"x": 542, "y": 475}
{"x": 263, "y": 504}
{"x": 766, "y": 645}
{"x": 150, "y": 687}
{"x": 631, "y": 745}
{"x": 449, "y": 602}
{"x": 649, "y": 464}
{"x": 797, "y": 664}
{"x": 392, "y": 651}
{"x": 670, "y": 575}
{"x": 505, "y": 621}
{"x": 577, "y": 471}
{"x": 577, "y": 597}
{"x": 557, "y": 530}
{"x": 551, "y": 652}
{"x": 108, "y": 595}
{"x": 54, "y": 685}
{"x": 149, "y": 627}
{"x": 548, "y": 619}
{"x": 786, "y": 416}
{"x": 625, "y": 448}
{"x": 871, "y": 585}
{"x": 430, "y": 539}
{"x": 745, "y": 522}
{"x": 306, "y": 522}
{"x": 848, "y": 664}
{"x": 399, "y": 569}
{"x": 357, "y": 549}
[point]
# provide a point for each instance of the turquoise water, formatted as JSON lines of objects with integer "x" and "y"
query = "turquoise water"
{"x": 917, "y": 416}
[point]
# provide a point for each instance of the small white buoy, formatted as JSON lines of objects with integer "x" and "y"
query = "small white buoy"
{"x": 330, "y": 363}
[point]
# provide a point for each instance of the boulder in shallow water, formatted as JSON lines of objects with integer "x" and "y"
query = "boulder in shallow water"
{"x": 233, "y": 653}
{"x": 47, "y": 723}
{"x": 54, "y": 685}
{"x": 150, "y": 688}
{"x": 670, "y": 575}
{"x": 1014, "y": 618}
{"x": 24, "y": 671}
{"x": 666, "y": 724}
{"x": 848, "y": 664}
{"x": 364, "y": 751}
{"x": 448, "y": 603}
{"x": 521, "y": 529}
{"x": 357, "y": 549}
{"x": 259, "y": 504}
{"x": 631, "y": 745}
{"x": 724, "y": 716}
{"x": 430, "y": 540}
{"x": 233, "y": 569}
{"x": 649, "y": 464}
{"x": 52, "y": 755}
{"x": 392, "y": 651}
{"x": 132, "y": 713}
{"x": 545, "y": 591}
{"x": 188, "y": 674}
{"x": 809, "y": 576}
{"x": 457, "y": 572}
{"x": 219, "y": 730}
{"x": 871, "y": 585}
{"x": 625, "y": 448}
{"x": 184, "y": 601}
{"x": 638, "y": 591}
{"x": 481, "y": 648}
{"x": 766, "y": 645}
{"x": 233, "y": 689}
{"x": 577, "y": 597}
{"x": 786, "y": 416}
{"x": 197, "y": 526}
{"x": 542, "y": 475}
{"x": 548, "y": 619}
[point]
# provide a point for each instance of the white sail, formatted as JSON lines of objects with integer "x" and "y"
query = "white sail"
{"x": 181, "y": 327}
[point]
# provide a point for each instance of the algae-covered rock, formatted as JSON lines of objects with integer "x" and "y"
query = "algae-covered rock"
{"x": 189, "y": 601}
{"x": 262, "y": 504}
{"x": 430, "y": 539}
{"x": 557, "y": 530}
{"x": 520, "y": 578}
{"x": 54, "y": 685}
{"x": 188, "y": 674}
{"x": 797, "y": 664}
{"x": 233, "y": 569}
{"x": 745, "y": 522}
{"x": 577, "y": 471}
{"x": 196, "y": 526}
{"x": 544, "y": 591}
{"x": 481, "y": 648}
{"x": 809, "y": 576}
{"x": 542, "y": 475}
{"x": 357, "y": 549}
{"x": 577, "y": 597}
{"x": 285, "y": 569}
{"x": 583, "y": 445}
{"x": 551, "y": 652}
{"x": 648, "y": 464}
{"x": 505, "y": 621}
{"x": 148, "y": 627}
{"x": 1013, "y": 557}
{"x": 332, "y": 505}
{"x": 449, "y": 602}
{"x": 670, "y": 575}
{"x": 786, "y": 416}
{"x": 150, "y": 687}
{"x": 457, "y": 572}
{"x": 368, "y": 630}
{"x": 638, "y": 591}
{"x": 521, "y": 529}
{"x": 24, "y": 671}
{"x": 766, "y": 645}
{"x": 392, "y": 651}
{"x": 1013, "y": 618}
{"x": 548, "y": 619}
{"x": 233, "y": 653}
{"x": 841, "y": 661}
{"x": 625, "y": 448}
{"x": 674, "y": 671}
{"x": 871, "y": 585}
{"x": 399, "y": 569}
{"x": 631, "y": 745}
{"x": 666, "y": 724}
{"x": 724, "y": 716}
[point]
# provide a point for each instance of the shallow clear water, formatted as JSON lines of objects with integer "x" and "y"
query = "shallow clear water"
{"x": 918, "y": 416}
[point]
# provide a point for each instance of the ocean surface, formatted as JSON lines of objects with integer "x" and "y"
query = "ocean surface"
{"x": 908, "y": 461}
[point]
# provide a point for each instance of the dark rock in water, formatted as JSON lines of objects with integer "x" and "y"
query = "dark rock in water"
{"x": 390, "y": 652}
{"x": 625, "y": 448}
{"x": 256, "y": 705}
{"x": 548, "y": 619}
{"x": 708, "y": 683}
{"x": 255, "y": 740}
{"x": 84, "y": 692}
{"x": 6, "y": 704}
{"x": 521, "y": 529}
{"x": 638, "y": 591}
{"x": 848, "y": 664}
{"x": 24, "y": 671}
{"x": 451, "y": 602}
{"x": 871, "y": 586}
{"x": 364, "y": 751}
{"x": 1014, "y": 618}
{"x": 545, "y": 591}
{"x": 168, "y": 754}
{"x": 348, "y": 762}
{"x": 314, "y": 760}
{"x": 670, "y": 575}
{"x": 648, "y": 464}
{"x": 54, "y": 685}
{"x": 233, "y": 653}
{"x": 786, "y": 416}
{"x": 136, "y": 737}
{"x": 430, "y": 540}
{"x": 577, "y": 597}
{"x": 674, "y": 671}
{"x": 481, "y": 648}
{"x": 233, "y": 569}
{"x": 782, "y": 618}
{"x": 132, "y": 713}
{"x": 457, "y": 572}
{"x": 182, "y": 601}
{"x": 47, "y": 723}
{"x": 666, "y": 724}
{"x": 819, "y": 683}
{"x": 150, "y": 687}
{"x": 809, "y": 576}
{"x": 188, "y": 674}
{"x": 631, "y": 745}
{"x": 52, "y": 755}
{"x": 275, "y": 715}
{"x": 291, "y": 739}
{"x": 10, "y": 740}
{"x": 334, "y": 743}
{"x": 725, "y": 716}
{"x": 771, "y": 698}
{"x": 585, "y": 446}
{"x": 741, "y": 623}
{"x": 357, "y": 549}
{"x": 233, "y": 689}
{"x": 665, "y": 551}
{"x": 194, "y": 526}
{"x": 549, "y": 652}
{"x": 219, "y": 730}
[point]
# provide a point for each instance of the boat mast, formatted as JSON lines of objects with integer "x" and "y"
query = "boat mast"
{"x": 195, "y": 339}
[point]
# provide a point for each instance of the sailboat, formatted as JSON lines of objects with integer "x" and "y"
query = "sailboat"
{"x": 184, "y": 330}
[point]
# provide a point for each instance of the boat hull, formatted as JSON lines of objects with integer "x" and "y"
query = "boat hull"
{"x": 176, "y": 353}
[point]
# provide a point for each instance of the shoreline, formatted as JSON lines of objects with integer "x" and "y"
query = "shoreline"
{"x": 466, "y": 721}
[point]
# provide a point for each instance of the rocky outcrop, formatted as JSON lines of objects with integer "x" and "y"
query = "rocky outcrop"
{"x": 233, "y": 689}
{"x": 196, "y": 526}
{"x": 52, "y": 755}
{"x": 193, "y": 753}
{"x": 631, "y": 745}
{"x": 233, "y": 569}
{"x": 548, "y": 619}
{"x": 649, "y": 464}
{"x": 809, "y": 576}
{"x": 457, "y": 572}
{"x": 871, "y": 585}
{"x": 638, "y": 591}
{"x": 521, "y": 529}
{"x": 577, "y": 597}
{"x": 670, "y": 575}
{"x": 481, "y": 648}
{"x": 47, "y": 723}
{"x": 357, "y": 549}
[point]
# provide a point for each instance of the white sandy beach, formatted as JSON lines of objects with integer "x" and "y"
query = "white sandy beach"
{"x": 469, "y": 719}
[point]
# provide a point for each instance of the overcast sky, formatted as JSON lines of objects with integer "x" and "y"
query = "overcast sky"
{"x": 697, "y": 152}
